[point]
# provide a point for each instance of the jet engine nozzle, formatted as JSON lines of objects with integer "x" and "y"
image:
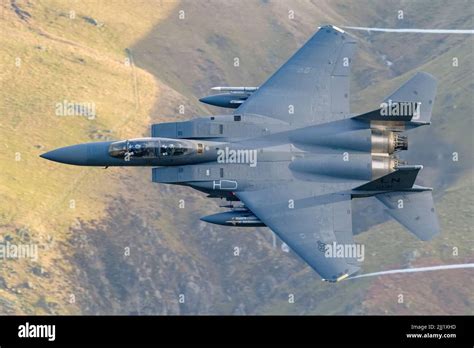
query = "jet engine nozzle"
{"x": 400, "y": 142}
{"x": 385, "y": 164}
{"x": 384, "y": 141}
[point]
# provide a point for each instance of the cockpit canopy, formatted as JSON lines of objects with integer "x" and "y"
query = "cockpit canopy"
{"x": 150, "y": 148}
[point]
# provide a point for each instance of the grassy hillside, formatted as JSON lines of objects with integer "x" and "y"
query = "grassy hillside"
{"x": 125, "y": 245}
{"x": 52, "y": 51}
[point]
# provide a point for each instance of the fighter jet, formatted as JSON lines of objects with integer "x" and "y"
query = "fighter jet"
{"x": 292, "y": 157}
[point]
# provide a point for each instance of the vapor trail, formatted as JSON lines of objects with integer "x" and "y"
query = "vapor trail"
{"x": 417, "y": 269}
{"x": 425, "y": 31}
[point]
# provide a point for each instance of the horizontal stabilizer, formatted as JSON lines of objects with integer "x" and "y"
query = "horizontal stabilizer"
{"x": 401, "y": 179}
{"x": 400, "y": 111}
{"x": 414, "y": 210}
{"x": 420, "y": 89}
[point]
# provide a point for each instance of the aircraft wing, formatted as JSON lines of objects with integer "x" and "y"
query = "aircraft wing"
{"x": 312, "y": 87}
{"x": 314, "y": 224}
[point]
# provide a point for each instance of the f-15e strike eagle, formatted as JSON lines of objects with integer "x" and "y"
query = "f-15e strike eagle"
{"x": 292, "y": 156}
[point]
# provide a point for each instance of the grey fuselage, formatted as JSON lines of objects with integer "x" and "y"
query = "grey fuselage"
{"x": 221, "y": 154}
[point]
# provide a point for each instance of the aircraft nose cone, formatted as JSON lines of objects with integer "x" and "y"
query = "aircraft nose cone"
{"x": 75, "y": 154}
{"x": 208, "y": 219}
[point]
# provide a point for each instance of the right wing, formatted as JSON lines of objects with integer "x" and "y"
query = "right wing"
{"x": 312, "y": 87}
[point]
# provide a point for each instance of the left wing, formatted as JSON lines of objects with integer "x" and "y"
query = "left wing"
{"x": 315, "y": 224}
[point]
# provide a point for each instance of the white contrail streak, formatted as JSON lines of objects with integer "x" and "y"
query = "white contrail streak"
{"x": 425, "y": 31}
{"x": 417, "y": 269}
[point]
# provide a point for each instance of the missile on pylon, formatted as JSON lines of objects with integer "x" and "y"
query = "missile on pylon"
{"x": 232, "y": 99}
{"x": 236, "y": 217}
